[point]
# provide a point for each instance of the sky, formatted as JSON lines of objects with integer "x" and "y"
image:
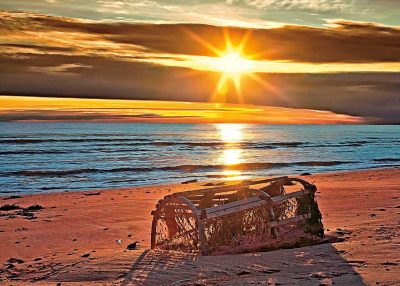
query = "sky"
{"x": 253, "y": 61}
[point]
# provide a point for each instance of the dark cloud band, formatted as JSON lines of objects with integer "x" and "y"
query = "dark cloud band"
{"x": 342, "y": 41}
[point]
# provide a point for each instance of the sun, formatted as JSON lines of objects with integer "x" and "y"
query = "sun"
{"x": 233, "y": 63}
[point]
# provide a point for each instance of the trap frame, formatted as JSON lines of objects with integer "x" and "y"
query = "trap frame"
{"x": 249, "y": 216}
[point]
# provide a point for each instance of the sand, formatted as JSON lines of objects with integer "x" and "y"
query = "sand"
{"x": 80, "y": 239}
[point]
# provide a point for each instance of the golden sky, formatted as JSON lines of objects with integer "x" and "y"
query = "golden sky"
{"x": 317, "y": 70}
{"x": 18, "y": 108}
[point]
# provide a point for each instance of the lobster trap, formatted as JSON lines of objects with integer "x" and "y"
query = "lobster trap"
{"x": 249, "y": 216}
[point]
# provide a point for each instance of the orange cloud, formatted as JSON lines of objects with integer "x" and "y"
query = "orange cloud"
{"x": 72, "y": 109}
{"x": 341, "y": 41}
{"x": 347, "y": 67}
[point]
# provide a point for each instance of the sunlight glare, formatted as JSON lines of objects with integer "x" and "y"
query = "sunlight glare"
{"x": 233, "y": 63}
{"x": 230, "y": 133}
{"x": 231, "y": 156}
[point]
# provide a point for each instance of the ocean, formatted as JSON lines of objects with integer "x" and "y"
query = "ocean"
{"x": 56, "y": 157}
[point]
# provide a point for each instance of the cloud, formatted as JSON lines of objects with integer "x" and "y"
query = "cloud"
{"x": 211, "y": 12}
{"x": 342, "y": 42}
{"x": 38, "y": 54}
{"x": 374, "y": 96}
{"x": 81, "y": 115}
{"x": 318, "y": 5}
{"x": 66, "y": 69}
{"x": 50, "y": 109}
{"x": 246, "y": 13}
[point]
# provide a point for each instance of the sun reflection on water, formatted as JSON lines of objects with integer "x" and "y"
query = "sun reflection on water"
{"x": 231, "y": 156}
{"x": 231, "y": 135}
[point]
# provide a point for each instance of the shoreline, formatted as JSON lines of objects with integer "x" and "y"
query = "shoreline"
{"x": 75, "y": 238}
{"x": 198, "y": 180}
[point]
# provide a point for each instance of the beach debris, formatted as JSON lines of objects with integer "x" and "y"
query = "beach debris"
{"x": 343, "y": 231}
{"x": 8, "y": 207}
{"x": 118, "y": 241}
{"x": 305, "y": 174}
{"x": 261, "y": 215}
{"x": 132, "y": 246}
{"x": 243, "y": 272}
{"x": 92, "y": 194}
{"x": 189, "y": 181}
{"x": 208, "y": 184}
{"x": 10, "y": 263}
{"x": 26, "y": 213}
{"x": 12, "y": 197}
{"x": 85, "y": 255}
{"x": 270, "y": 271}
{"x": 15, "y": 260}
{"x": 35, "y": 207}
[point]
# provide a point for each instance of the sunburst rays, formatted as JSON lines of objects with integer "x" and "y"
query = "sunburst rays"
{"x": 233, "y": 64}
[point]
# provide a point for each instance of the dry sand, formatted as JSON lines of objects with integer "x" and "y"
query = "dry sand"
{"x": 73, "y": 241}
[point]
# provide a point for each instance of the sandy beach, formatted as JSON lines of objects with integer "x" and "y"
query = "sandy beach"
{"x": 81, "y": 238}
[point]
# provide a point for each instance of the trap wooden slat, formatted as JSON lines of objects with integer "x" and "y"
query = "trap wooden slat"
{"x": 248, "y": 203}
{"x": 290, "y": 220}
{"x": 289, "y": 196}
{"x": 241, "y": 185}
{"x": 233, "y": 207}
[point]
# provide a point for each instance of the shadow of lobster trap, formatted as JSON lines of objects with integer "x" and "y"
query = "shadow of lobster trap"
{"x": 250, "y": 216}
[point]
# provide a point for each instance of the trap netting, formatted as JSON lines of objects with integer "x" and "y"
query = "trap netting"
{"x": 249, "y": 216}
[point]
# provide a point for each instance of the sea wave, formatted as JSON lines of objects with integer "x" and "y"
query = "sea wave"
{"x": 184, "y": 168}
{"x": 72, "y": 151}
{"x": 77, "y": 140}
{"x": 387, "y": 160}
{"x": 107, "y": 141}
{"x": 31, "y": 152}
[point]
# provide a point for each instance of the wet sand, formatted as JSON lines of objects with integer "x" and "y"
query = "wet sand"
{"x": 81, "y": 239}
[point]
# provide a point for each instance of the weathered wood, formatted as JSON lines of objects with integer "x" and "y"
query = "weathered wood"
{"x": 268, "y": 199}
{"x": 195, "y": 210}
{"x": 233, "y": 207}
{"x": 248, "y": 203}
{"x": 290, "y": 196}
{"x": 202, "y": 238}
{"x": 231, "y": 187}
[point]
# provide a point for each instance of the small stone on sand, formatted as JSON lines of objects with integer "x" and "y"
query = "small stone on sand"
{"x": 132, "y": 246}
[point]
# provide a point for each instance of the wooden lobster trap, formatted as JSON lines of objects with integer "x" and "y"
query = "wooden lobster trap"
{"x": 249, "y": 216}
